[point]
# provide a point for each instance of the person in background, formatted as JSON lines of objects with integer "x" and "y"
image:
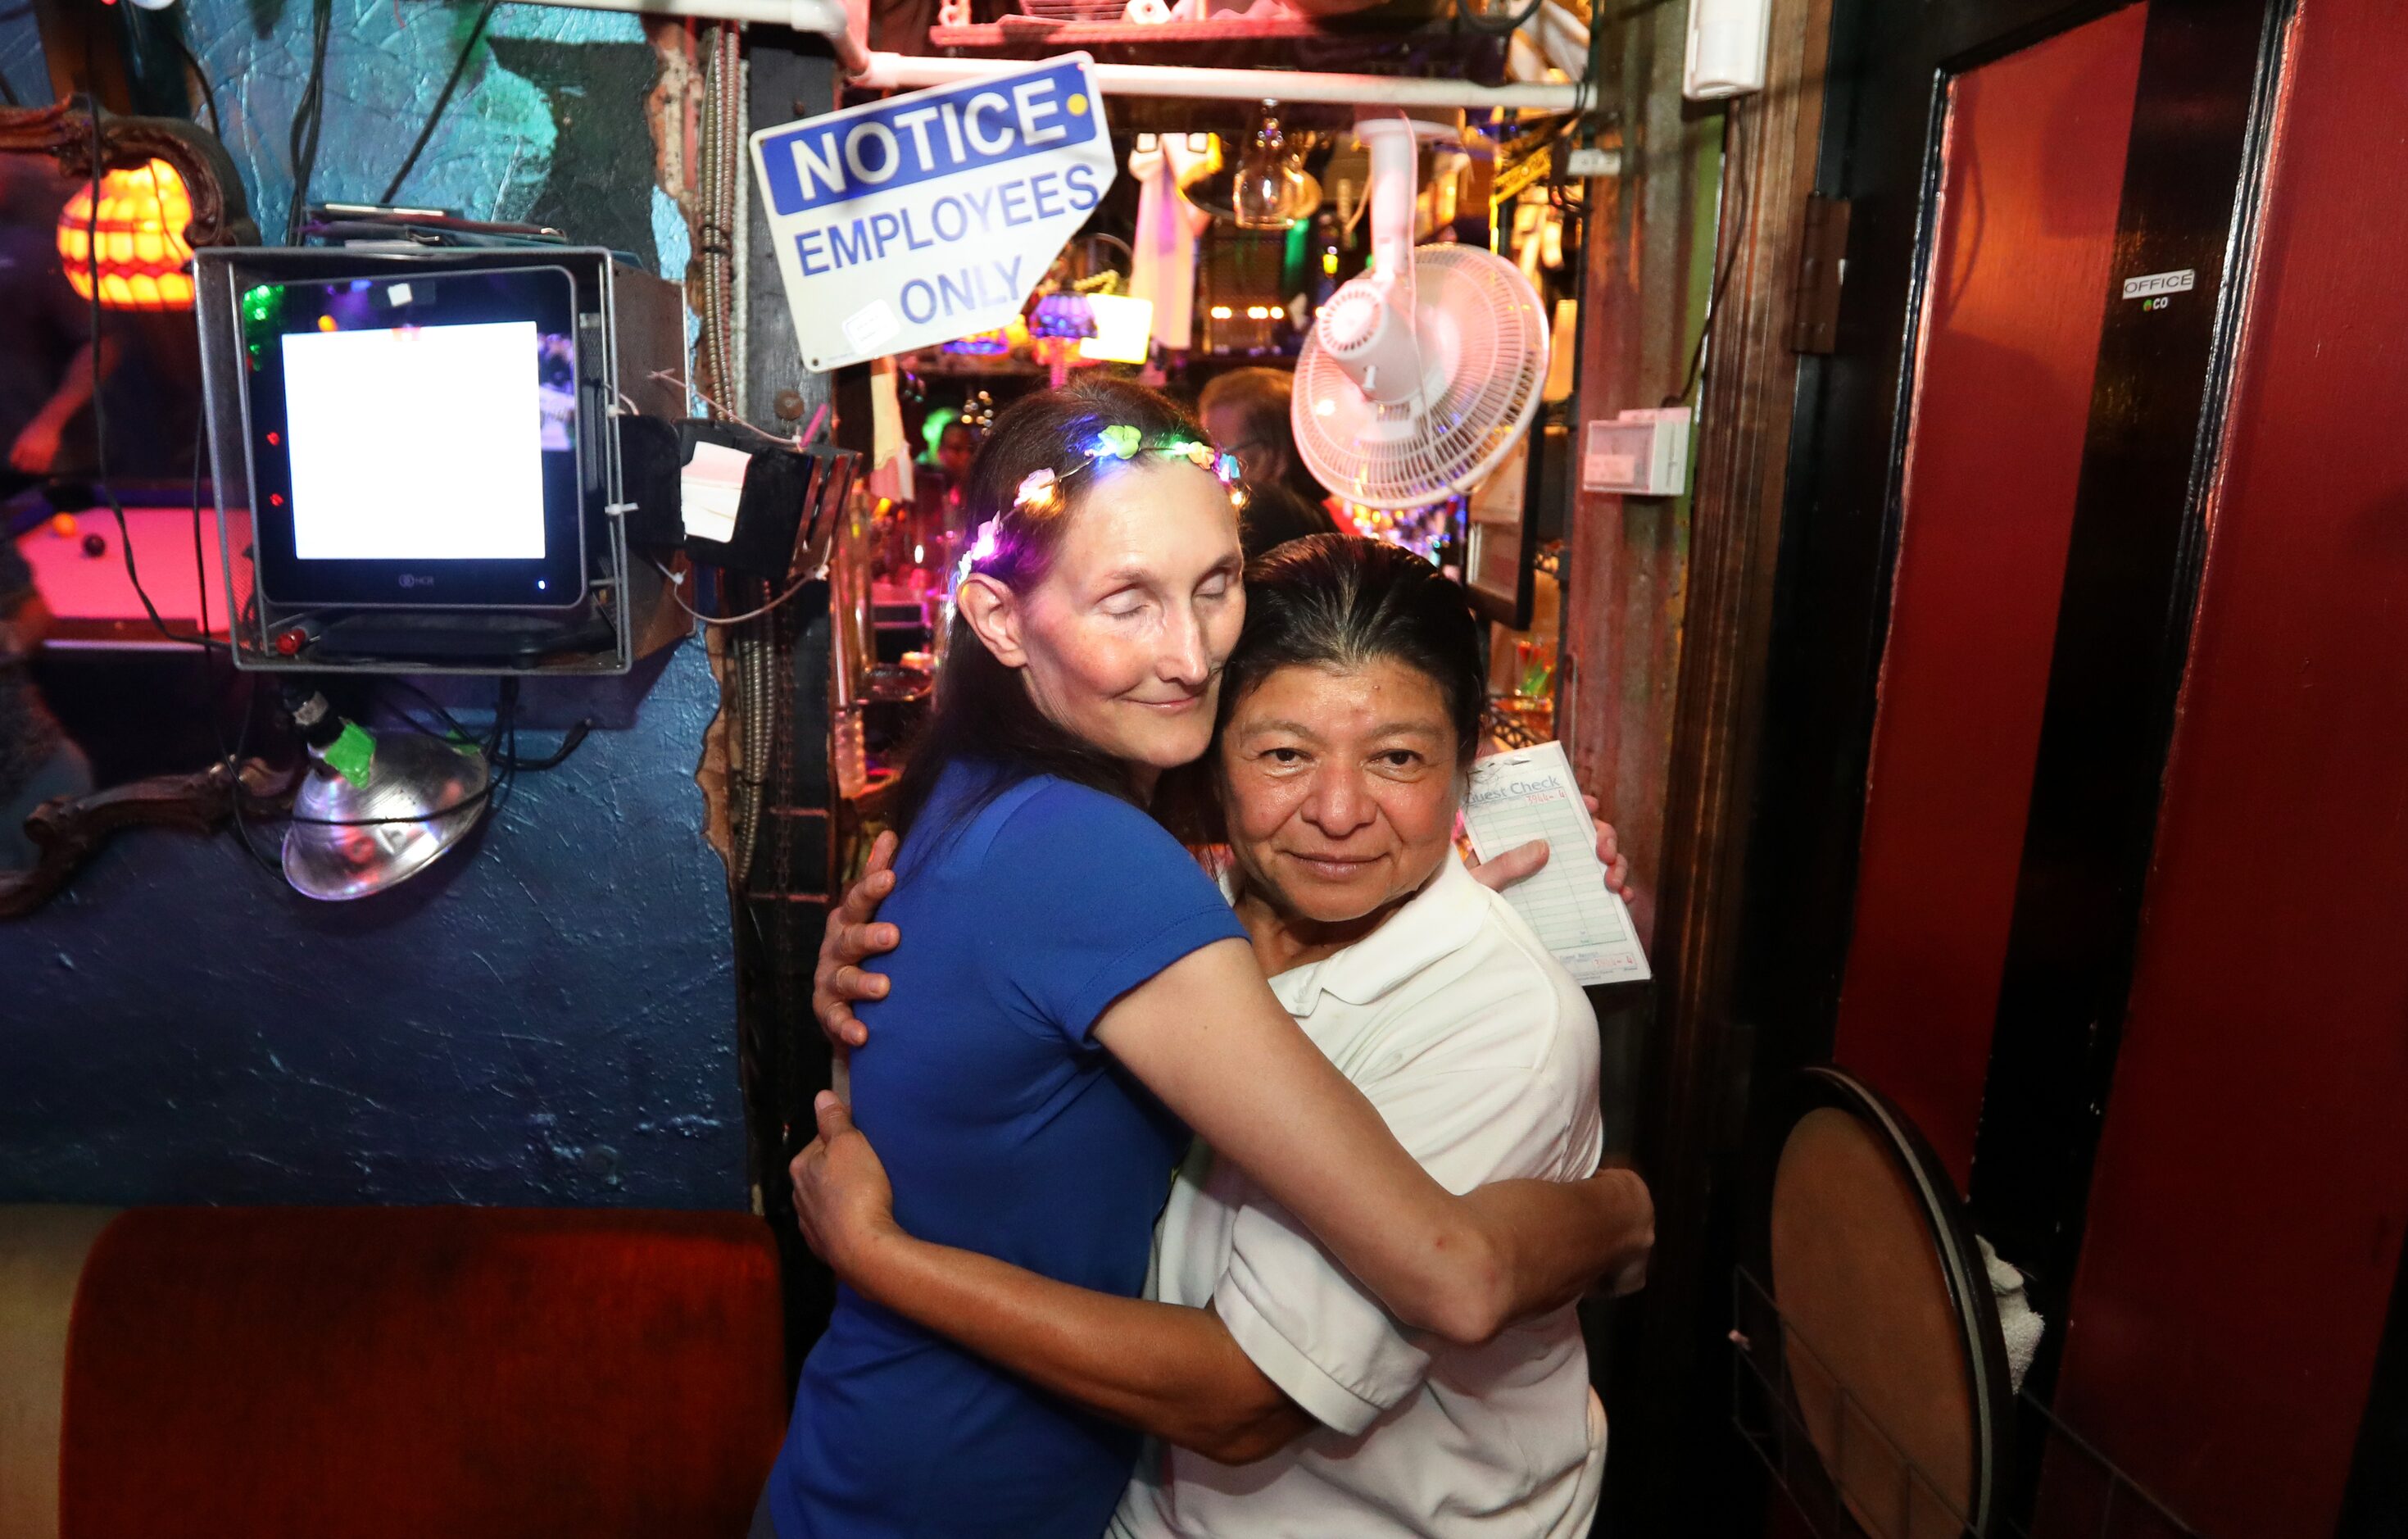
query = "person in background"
{"x": 928, "y": 535}
{"x": 46, "y": 352}
{"x": 38, "y": 760}
{"x": 956, "y": 446}
{"x": 1246, "y": 412}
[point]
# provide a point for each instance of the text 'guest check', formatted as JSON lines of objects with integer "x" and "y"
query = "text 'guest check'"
{"x": 1530, "y": 794}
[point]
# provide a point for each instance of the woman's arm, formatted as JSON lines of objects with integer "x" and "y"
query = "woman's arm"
{"x": 1209, "y": 1038}
{"x": 852, "y": 938}
{"x": 1167, "y": 1370}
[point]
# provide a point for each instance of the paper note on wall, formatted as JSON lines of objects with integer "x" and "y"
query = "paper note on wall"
{"x": 709, "y": 489}
{"x": 1530, "y": 794}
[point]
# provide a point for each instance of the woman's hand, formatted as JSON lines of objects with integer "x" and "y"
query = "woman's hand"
{"x": 850, "y": 940}
{"x": 1527, "y": 859}
{"x": 843, "y": 1198}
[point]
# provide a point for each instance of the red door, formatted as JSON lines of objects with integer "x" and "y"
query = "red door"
{"x": 2014, "y": 293}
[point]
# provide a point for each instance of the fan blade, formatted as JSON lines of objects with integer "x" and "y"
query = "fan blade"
{"x": 1483, "y": 340}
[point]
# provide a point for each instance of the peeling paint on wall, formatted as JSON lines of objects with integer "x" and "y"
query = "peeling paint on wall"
{"x": 544, "y": 1017}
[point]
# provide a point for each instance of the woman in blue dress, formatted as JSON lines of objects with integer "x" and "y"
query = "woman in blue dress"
{"x": 1033, "y": 1099}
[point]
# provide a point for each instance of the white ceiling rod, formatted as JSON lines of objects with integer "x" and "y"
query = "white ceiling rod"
{"x": 1239, "y": 85}
{"x": 826, "y": 18}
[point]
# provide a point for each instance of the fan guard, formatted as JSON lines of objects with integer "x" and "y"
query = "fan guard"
{"x": 1483, "y": 336}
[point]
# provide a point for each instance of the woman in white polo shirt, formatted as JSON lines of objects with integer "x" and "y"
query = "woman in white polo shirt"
{"x": 1284, "y": 1400}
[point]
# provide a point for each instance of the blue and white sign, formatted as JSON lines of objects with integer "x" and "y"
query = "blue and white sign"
{"x": 923, "y": 218}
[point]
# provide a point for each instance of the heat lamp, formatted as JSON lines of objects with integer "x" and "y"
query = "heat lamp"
{"x": 376, "y": 809}
{"x": 1417, "y": 377}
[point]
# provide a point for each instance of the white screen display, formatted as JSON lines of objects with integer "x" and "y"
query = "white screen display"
{"x": 416, "y": 443}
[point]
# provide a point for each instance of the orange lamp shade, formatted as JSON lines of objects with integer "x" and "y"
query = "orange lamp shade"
{"x": 140, "y": 237}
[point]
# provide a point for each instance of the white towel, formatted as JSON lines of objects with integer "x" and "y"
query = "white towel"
{"x": 1163, "y": 250}
{"x": 2018, "y": 1321}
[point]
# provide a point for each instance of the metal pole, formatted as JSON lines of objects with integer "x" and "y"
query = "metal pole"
{"x": 1236, "y": 85}
{"x": 826, "y": 18}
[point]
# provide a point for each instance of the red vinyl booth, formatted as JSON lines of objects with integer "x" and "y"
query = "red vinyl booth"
{"x": 367, "y": 1372}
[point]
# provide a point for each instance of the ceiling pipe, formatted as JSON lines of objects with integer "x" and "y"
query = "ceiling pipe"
{"x": 1239, "y": 85}
{"x": 888, "y": 71}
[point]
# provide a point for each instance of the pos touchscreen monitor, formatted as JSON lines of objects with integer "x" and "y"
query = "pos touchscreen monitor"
{"x": 414, "y": 439}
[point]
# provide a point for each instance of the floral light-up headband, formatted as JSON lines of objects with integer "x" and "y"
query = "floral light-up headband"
{"x": 1041, "y": 491}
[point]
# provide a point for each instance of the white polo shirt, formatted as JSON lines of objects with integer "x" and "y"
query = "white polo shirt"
{"x": 1482, "y": 1054}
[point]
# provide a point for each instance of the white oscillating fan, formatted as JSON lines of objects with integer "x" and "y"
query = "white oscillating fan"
{"x": 1419, "y": 376}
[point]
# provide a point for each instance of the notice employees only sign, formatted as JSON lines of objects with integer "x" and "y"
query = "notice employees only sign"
{"x": 923, "y": 218}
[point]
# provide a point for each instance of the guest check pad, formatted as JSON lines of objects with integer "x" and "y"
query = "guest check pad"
{"x": 1530, "y": 794}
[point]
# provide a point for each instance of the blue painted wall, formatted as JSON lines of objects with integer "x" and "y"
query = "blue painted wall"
{"x": 24, "y": 79}
{"x": 547, "y": 1016}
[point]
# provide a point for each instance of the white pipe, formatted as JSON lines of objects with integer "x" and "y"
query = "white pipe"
{"x": 820, "y": 18}
{"x": 1228, "y": 85}
{"x": 883, "y": 71}
{"x": 1394, "y": 153}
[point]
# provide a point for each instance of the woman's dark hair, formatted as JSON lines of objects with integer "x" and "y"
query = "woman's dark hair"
{"x": 982, "y": 712}
{"x": 1274, "y": 516}
{"x": 1340, "y": 601}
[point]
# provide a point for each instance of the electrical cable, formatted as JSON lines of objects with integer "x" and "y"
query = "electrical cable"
{"x": 670, "y": 377}
{"x": 677, "y": 581}
{"x": 1497, "y": 26}
{"x": 497, "y": 782}
{"x": 505, "y": 719}
{"x": 504, "y": 754}
{"x": 233, "y": 784}
{"x": 1737, "y": 225}
{"x": 453, "y": 731}
{"x": 100, "y": 411}
{"x": 508, "y": 758}
{"x": 230, "y": 758}
{"x": 442, "y": 100}
{"x": 200, "y": 561}
{"x": 484, "y": 793}
{"x": 308, "y": 116}
{"x": 569, "y": 742}
{"x": 201, "y": 78}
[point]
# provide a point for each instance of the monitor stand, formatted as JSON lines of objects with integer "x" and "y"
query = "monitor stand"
{"x": 460, "y": 636}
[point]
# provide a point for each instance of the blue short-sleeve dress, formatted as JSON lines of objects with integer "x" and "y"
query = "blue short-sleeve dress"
{"x": 1008, "y": 1130}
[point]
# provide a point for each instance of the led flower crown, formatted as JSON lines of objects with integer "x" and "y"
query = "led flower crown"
{"x": 1041, "y": 491}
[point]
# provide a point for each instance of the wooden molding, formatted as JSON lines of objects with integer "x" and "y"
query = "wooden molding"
{"x": 1692, "y": 1073}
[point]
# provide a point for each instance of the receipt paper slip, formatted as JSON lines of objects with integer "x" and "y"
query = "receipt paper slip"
{"x": 1530, "y": 794}
{"x": 711, "y": 488}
